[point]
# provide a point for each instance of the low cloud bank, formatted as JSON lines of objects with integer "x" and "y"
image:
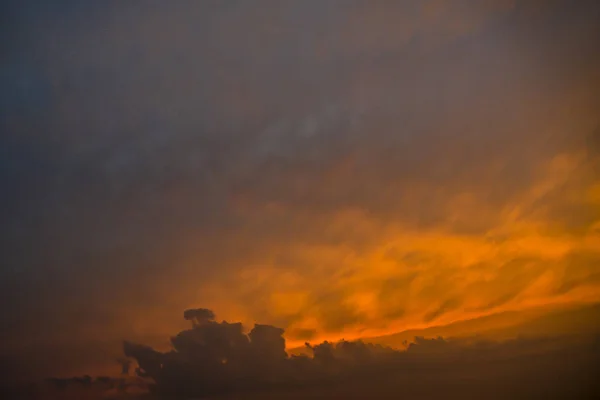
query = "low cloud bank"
{"x": 216, "y": 357}
{"x": 219, "y": 360}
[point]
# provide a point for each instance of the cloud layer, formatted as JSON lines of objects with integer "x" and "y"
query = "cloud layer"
{"x": 340, "y": 169}
{"x": 217, "y": 360}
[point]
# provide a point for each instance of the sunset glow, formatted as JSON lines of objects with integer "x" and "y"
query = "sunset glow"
{"x": 339, "y": 169}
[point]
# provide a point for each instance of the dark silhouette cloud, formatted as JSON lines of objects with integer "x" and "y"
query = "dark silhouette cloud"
{"x": 199, "y": 316}
{"x": 125, "y": 366}
{"x": 218, "y": 360}
{"x": 215, "y": 357}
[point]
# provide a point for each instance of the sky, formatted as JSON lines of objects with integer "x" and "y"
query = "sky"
{"x": 338, "y": 168}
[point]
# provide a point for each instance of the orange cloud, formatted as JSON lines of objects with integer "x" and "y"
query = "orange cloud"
{"x": 403, "y": 277}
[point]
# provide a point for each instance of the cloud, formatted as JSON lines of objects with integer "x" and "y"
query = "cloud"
{"x": 213, "y": 358}
{"x": 216, "y": 359}
{"x": 580, "y": 269}
{"x": 199, "y": 316}
{"x": 448, "y": 305}
{"x": 303, "y": 334}
{"x": 231, "y": 361}
{"x": 341, "y": 169}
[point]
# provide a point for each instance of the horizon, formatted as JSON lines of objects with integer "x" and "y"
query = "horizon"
{"x": 328, "y": 367}
{"x": 410, "y": 336}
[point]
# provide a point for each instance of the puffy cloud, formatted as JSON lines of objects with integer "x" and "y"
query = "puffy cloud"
{"x": 219, "y": 358}
{"x": 199, "y": 316}
{"x": 215, "y": 359}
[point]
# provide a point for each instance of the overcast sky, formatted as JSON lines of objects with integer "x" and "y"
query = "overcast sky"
{"x": 337, "y": 168}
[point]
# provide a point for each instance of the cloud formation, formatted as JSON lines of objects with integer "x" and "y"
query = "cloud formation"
{"x": 218, "y": 360}
{"x": 213, "y": 358}
{"x": 340, "y": 169}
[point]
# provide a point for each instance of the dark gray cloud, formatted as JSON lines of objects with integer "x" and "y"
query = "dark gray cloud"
{"x": 217, "y": 359}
